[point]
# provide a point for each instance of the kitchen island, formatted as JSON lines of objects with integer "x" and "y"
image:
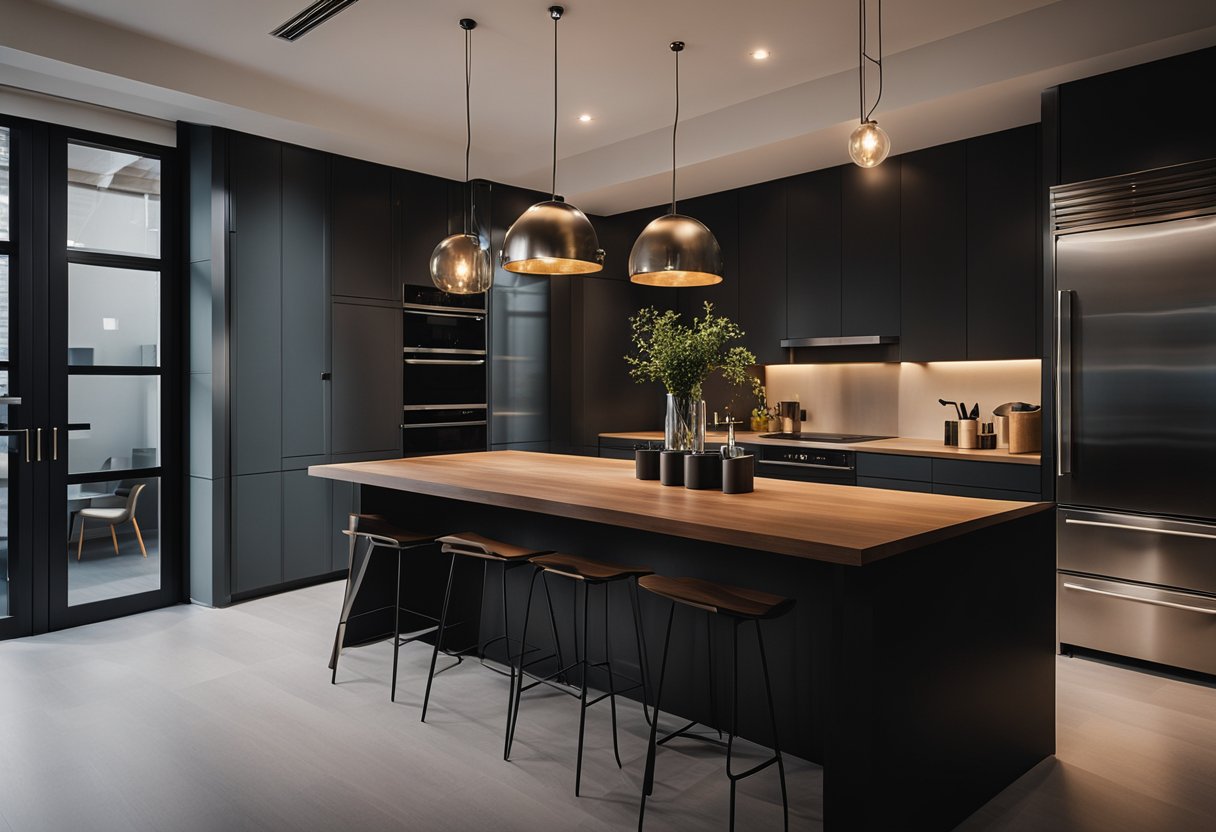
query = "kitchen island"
{"x": 917, "y": 666}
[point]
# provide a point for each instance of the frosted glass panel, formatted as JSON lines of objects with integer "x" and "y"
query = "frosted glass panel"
{"x": 113, "y": 316}
{"x": 113, "y": 201}
{"x": 114, "y": 423}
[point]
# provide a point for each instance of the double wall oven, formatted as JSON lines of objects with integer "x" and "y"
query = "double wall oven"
{"x": 444, "y": 372}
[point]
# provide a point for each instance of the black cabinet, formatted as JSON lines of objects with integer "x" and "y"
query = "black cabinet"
{"x": 428, "y": 209}
{"x": 869, "y": 245}
{"x": 958, "y": 477}
{"x": 362, "y": 230}
{"x": 257, "y": 531}
{"x": 307, "y": 551}
{"x": 1003, "y": 244}
{"x": 366, "y": 386}
{"x": 720, "y": 214}
{"x": 762, "y": 263}
{"x": 304, "y": 302}
{"x": 933, "y": 254}
{"x": 255, "y": 245}
{"x": 813, "y": 255}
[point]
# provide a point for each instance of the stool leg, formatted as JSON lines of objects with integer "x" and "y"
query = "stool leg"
{"x": 648, "y": 778}
{"x": 734, "y": 713}
{"x": 392, "y": 697}
{"x": 640, "y": 640}
{"x": 582, "y": 711}
{"x": 713, "y": 677}
{"x": 354, "y": 580}
{"x": 506, "y": 640}
{"x": 772, "y": 716}
{"x": 557, "y": 644}
{"x": 611, "y": 682}
{"x": 443, "y": 623}
{"x": 518, "y": 676}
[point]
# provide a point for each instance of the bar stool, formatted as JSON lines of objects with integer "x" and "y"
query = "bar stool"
{"x": 738, "y": 605}
{"x": 510, "y": 556}
{"x": 379, "y": 534}
{"x": 588, "y": 573}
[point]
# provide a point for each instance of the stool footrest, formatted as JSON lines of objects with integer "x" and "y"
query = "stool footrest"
{"x": 684, "y": 732}
{"x": 753, "y": 770}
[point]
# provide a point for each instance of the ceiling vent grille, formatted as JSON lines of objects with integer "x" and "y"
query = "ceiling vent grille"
{"x": 310, "y": 18}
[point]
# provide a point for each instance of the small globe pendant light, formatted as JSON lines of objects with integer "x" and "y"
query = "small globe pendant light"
{"x": 460, "y": 264}
{"x": 676, "y": 250}
{"x": 869, "y": 144}
{"x": 552, "y": 237}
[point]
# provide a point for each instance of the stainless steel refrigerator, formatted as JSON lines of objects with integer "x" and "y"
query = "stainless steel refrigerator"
{"x": 1135, "y": 405}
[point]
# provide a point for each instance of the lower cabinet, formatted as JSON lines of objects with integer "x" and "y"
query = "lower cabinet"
{"x": 957, "y": 477}
{"x": 257, "y": 531}
{"x": 306, "y": 520}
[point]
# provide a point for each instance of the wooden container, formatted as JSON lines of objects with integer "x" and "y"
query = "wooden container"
{"x": 1025, "y": 432}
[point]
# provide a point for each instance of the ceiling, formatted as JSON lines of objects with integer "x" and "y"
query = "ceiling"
{"x": 382, "y": 79}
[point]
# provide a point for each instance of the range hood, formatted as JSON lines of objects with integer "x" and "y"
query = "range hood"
{"x": 840, "y": 341}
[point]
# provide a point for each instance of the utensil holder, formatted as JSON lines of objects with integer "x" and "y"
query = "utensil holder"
{"x": 671, "y": 467}
{"x": 951, "y": 432}
{"x": 1025, "y": 431}
{"x": 703, "y": 471}
{"x": 968, "y": 433}
{"x": 739, "y": 475}
{"x": 646, "y": 463}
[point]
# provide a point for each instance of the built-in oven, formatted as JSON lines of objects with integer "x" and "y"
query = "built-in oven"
{"x": 443, "y": 372}
{"x": 806, "y": 464}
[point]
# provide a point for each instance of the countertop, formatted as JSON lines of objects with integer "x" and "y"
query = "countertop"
{"x": 834, "y": 523}
{"x": 897, "y": 445}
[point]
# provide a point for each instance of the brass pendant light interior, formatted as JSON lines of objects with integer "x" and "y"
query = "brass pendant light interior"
{"x": 676, "y": 250}
{"x": 460, "y": 264}
{"x": 552, "y": 237}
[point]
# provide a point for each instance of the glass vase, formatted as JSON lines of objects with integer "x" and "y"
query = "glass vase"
{"x": 684, "y": 429}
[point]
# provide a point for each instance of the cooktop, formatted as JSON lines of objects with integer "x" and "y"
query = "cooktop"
{"x": 842, "y": 438}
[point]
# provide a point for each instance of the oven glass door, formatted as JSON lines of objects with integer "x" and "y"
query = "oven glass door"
{"x": 444, "y": 331}
{"x": 443, "y": 430}
{"x": 438, "y": 379}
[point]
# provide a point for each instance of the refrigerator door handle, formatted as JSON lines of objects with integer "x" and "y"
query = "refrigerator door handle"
{"x": 1063, "y": 382}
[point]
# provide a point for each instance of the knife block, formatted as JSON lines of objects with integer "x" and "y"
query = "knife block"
{"x": 1025, "y": 432}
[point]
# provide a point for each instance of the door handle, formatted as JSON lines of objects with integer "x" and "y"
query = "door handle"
{"x": 1178, "y": 532}
{"x": 1063, "y": 382}
{"x": 445, "y": 361}
{"x": 22, "y": 432}
{"x": 1157, "y": 602}
{"x": 38, "y": 443}
{"x": 54, "y": 444}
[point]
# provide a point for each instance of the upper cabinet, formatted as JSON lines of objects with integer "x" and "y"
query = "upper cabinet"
{"x": 762, "y": 267}
{"x": 869, "y": 246}
{"x": 933, "y": 254}
{"x": 720, "y": 214}
{"x": 1003, "y": 244}
{"x": 428, "y": 209}
{"x": 362, "y": 230}
{"x": 812, "y": 244}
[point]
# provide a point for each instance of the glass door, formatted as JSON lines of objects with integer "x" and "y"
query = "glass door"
{"x": 115, "y": 542}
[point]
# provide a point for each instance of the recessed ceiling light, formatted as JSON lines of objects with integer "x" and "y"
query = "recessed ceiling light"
{"x": 585, "y": 117}
{"x": 760, "y": 54}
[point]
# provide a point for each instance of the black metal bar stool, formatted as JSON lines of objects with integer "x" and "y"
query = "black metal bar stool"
{"x": 588, "y": 573}
{"x": 738, "y": 605}
{"x": 378, "y": 534}
{"x": 510, "y": 556}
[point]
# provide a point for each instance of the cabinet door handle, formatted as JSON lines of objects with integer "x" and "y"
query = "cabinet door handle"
{"x": 38, "y": 443}
{"x": 55, "y": 444}
{"x": 22, "y": 432}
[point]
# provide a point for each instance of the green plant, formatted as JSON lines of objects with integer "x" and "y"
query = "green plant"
{"x": 760, "y": 411}
{"x": 681, "y": 357}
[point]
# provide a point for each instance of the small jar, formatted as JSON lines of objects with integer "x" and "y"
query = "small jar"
{"x": 968, "y": 433}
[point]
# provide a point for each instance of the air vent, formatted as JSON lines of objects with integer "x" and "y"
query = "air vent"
{"x": 310, "y": 18}
{"x": 1176, "y": 192}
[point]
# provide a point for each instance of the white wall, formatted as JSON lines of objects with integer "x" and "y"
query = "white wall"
{"x": 899, "y": 399}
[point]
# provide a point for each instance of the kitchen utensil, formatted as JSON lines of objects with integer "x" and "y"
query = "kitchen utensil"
{"x": 975, "y": 411}
{"x": 945, "y": 403}
{"x": 962, "y": 411}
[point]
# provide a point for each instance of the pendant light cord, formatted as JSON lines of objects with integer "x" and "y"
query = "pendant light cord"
{"x": 553, "y": 190}
{"x": 863, "y": 55}
{"x": 674, "y": 126}
{"x": 468, "y": 120}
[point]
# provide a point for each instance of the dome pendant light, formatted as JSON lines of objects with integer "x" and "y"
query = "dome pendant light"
{"x": 460, "y": 264}
{"x": 869, "y": 143}
{"x": 552, "y": 237}
{"x": 676, "y": 250}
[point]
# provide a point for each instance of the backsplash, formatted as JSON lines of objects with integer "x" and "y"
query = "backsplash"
{"x": 899, "y": 399}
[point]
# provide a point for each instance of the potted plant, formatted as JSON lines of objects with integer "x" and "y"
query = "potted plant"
{"x": 681, "y": 357}
{"x": 760, "y": 413}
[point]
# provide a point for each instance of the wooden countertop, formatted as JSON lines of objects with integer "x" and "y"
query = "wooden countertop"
{"x": 835, "y": 523}
{"x": 899, "y": 446}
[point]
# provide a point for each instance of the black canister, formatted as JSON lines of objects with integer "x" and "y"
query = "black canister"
{"x": 951, "y": 432}
{"x": 671, "y": 467}
{"x": 646, "y": 463}
{"x": 703, "y": 471}
{"x": 739, "y": 475}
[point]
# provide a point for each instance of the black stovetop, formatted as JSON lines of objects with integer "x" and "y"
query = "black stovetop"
{"x": 842, "y": 438}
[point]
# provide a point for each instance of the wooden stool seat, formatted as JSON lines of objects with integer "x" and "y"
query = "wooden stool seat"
{"x": 580, "y": 568}
{"x": 717, "y": 598}
{"x": 384, "y": 533}
{"x": 478, "y": 546}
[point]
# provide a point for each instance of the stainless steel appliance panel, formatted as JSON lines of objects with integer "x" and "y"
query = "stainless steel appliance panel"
{"x": 435, "y": 379}
{"x": 1141, "y": 304}
{"x": 807, "y": 464}
{"x": 1151, "y": 550}
{"x": 1174, "y": 628}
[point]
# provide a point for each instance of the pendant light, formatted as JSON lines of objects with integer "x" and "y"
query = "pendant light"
{"x": 869, "y": 143}
{"x": 460, "y": 264}
{"x": 552, "y": 237}
{"x": 676, "y": 250}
